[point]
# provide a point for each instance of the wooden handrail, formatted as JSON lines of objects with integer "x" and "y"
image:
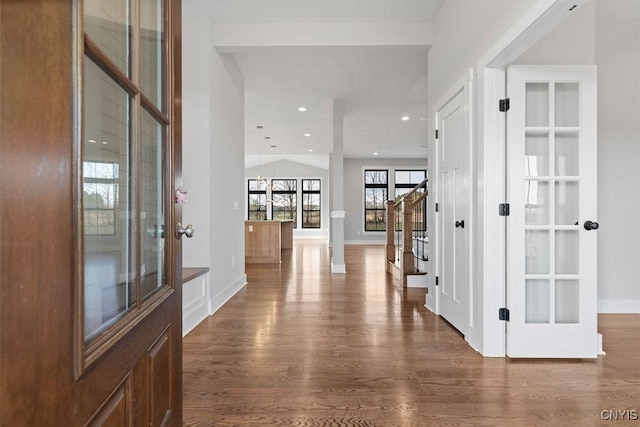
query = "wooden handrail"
{"x": 411, "y": 192}
{"x": 421, "y": 197}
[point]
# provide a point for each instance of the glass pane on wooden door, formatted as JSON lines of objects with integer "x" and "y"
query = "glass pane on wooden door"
{"x": 108, "y": 24}
{"x": 109, "y": 261}
{"x": 152, "y": 215}
{"x": 152, "y": 45}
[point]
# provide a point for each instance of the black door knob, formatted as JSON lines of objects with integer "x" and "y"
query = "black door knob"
{"x": 460, "y": 224}
{"x": 591, "y": 225}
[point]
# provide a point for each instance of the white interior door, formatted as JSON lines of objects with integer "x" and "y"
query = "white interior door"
{"x": 552, "y": 275}
{"x": 453, "y": 218}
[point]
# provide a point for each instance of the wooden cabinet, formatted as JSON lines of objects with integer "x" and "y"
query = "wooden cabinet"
{"x": 264, "y": 240}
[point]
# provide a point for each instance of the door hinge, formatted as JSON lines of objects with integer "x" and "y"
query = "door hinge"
{"x": 437, "y": 280}
{"x": 504, "y": 209}
{"x": 436, "y": 133}
{"x": 437, "y": 208}
{"x": 504, "y": 105}
{"x": 503, "y": 314}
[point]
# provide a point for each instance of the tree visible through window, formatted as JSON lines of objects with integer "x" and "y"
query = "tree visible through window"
{"x": 257, "y": 203}
{"x": 284, "y": 194}
{"x": 405, "y": 181}
{"x": 100, "y": 188}
{"x": 376, "y": 192}
{"x": 310, "y": 203}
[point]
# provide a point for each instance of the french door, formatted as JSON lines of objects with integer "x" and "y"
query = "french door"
{"x": 552, "y": 246}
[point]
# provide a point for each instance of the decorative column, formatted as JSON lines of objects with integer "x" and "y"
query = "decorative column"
{"x": 337, "y": 189}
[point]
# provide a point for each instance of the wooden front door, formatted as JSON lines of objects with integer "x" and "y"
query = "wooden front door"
{"x": 90, "y": 292}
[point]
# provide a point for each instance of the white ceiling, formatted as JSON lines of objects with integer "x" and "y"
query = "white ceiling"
{"x": 304, "y": 11}
{"x": 378, "y": 84}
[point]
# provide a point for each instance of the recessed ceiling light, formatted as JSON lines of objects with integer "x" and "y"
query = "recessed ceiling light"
{"x": 405, "y": 118}
{"x": 104, "y": 142}
{"x": 307, "y": 134}
{"x": 422, "y": 119}
{"x": 93, "y": 141}
{"x": 310, "y": 150}
{"x": 302, "y": 109}
{"x": 375, "y": 154}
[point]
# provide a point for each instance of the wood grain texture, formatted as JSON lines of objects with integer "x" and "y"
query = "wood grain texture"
{"x": 302, "y": 347}
{"x": 262, "y": 241}
{"x": 38, "y": 259}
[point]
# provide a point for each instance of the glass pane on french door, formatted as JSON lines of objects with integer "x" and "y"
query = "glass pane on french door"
{"x": 552, "y": 202}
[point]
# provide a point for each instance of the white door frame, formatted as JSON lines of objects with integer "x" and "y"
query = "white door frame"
{"x": 489, "y": 239}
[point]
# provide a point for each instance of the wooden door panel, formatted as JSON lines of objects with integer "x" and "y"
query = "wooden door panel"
{"x": 113, "y": 412}
{"x": 129, "y": 357}
{"x": 140, "y": 397}
{"x": 160, "y": 379}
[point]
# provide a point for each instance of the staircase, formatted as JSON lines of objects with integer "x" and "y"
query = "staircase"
{"x": 407, "y": 239}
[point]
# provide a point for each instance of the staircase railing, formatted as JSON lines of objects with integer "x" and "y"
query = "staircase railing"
{"x": 404, "y": 216}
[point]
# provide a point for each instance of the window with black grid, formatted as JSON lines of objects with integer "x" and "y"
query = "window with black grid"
{"x": 376, "y": 193}
{"x": 284, "y": 193}
{"x": 257, "y": 200}
{"x": 311, "y": 203}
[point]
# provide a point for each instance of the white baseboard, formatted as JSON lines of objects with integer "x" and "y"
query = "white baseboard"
{"x": 194, "y": 303}
{"x": 365, "y": 242}
{"x": 226, "y": 294}
{"x": 338, "y": 268}
{"x": 618, "y": 306}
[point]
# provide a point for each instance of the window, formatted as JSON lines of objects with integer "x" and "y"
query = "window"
{"x": 376, "y": 189}
{"x": 310, "y": 203}
{"x": 257, "y": 203}
{"x": 284, "y": 194}
{"x": 407, "y": 179}
{"x": 100, "y": 194}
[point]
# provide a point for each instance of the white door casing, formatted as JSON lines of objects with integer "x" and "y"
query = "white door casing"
{"x": 453, "y": 218}
{"x": 552, "y": 184}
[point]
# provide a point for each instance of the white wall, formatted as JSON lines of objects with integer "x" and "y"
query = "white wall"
{"x": 354, "y": 195}
{"x": 572, "y": 42}
{"x": 465, "y": 29}
{"x": 289, "y": 169}
{"x": 213, "y": 160}
{"x": 617, "y": 55}
{"x": 196, "y": 252}
{"x": 607, "y": 33}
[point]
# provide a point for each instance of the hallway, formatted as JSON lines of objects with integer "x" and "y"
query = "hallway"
{"x": 301, "y": 347}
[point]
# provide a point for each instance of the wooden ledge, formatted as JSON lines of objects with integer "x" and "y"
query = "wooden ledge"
{"x": 190, "y": 273}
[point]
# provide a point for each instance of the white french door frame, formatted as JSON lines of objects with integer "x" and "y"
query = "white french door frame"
{"x": 489, "y": 240}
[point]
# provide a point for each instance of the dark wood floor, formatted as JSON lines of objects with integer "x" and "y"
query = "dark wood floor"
{"x": 301, "y": 347}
